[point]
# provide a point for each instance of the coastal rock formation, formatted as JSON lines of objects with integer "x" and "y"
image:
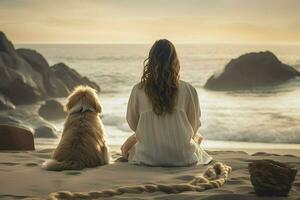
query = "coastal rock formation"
{"x": 28, "y": 117}
{"x": 271, "y": 178}
{"x": 5, "y": 45}
{"x": 71, "y": 78}
{"x": 45, "y": 132}
{"x": 250, "y": 71}
{"x": 19, "y": 82}
{"x": 14, "y": 135}
{"x": 26, "y": 76}
{"x": 53, "y": 85}
{"x": 52, "y": 110}
{"x": 5, "y": 103}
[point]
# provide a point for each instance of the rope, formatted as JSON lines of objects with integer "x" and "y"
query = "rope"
{"x": 214, "y": 177}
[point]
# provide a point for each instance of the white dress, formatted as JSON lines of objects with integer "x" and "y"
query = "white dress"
{"x": 166, "y": 140}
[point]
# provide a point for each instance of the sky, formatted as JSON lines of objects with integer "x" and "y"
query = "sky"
{"x": 139, "y": 21}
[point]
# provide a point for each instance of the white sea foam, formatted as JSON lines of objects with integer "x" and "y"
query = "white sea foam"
{"x": 116, "y": 120}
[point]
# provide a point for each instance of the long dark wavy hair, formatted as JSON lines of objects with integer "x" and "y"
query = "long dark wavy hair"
{"x": 160, "y": 78}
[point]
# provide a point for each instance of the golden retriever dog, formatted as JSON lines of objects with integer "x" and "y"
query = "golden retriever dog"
{"x": 82, "y": 143}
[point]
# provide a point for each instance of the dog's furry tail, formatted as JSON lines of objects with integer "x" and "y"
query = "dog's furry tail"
{"x": 54, "y": 165}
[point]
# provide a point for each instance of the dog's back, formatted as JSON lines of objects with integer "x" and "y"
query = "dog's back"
{"x": 82, "y": 144}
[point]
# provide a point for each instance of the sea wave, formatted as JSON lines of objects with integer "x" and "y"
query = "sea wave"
{"x": 287, "y": 135}
{"x": 217, "y": 129}
{"x": 116, "y": 121}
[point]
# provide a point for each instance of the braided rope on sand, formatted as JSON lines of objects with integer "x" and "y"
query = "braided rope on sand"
{"x": 214, "y": 177}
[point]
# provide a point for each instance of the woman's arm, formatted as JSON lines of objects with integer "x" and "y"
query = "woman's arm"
{"x": 193, "y": 111}
{"x": 132, "y": 117}
{"x": 128, "y": 144}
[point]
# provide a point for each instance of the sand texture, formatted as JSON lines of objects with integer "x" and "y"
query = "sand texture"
{"x": 21, "y": 176}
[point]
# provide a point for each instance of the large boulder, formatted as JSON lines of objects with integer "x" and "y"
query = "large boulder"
{"x": 19, "y": 82}
{"x": 14, "y": 135}
{"x": 26, "y": 76}
{"x": 52, "y": 110}
{"x": 5, "y": 103}
{"x": 71, "y": 78}
{"x": 271, "y": 178}
{"x": 250, "y": 71}
{"x": 53, "y": 85}
{"x": 14, "y": 85}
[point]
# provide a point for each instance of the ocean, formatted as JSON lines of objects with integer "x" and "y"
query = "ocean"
{"x": 265, "y": 117}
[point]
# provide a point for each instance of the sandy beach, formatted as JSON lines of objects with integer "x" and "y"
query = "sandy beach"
{"x": 22, "y": 176}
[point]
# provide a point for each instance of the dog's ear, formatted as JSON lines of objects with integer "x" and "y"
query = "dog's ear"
{"x": 73, "y": 98}
{"x": 98, "y": 106}
{"x": 94, "y": 100}
{"x": 91, "y": 99}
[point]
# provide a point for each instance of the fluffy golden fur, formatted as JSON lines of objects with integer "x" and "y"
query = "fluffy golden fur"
{"x": 82, "y": 143}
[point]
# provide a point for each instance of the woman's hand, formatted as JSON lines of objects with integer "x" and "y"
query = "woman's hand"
{"x": 128, "y": 144}
{"x": 198, "y": 138}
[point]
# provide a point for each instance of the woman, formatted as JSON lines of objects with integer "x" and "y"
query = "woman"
{"x": 164, "y": 113}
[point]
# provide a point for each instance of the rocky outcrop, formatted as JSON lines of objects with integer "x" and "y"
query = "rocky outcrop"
{"x": 28, "y": 118}
{"x": 271, "y": 178}
{"x": 54, "y": 87}
{"x": 45, "y": 132}
{"x": 19, "y": 82}
{"x": 5, "y": 103}
{"x": 72, "y": 78}
{"x": 52, "y": 110}
{"x": 14, "y": 135}
{"x": 5, "y": 45}
{"x": 250, "y": 71}
{"x": 26, "y": 76}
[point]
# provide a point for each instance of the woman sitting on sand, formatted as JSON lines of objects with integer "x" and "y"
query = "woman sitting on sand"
{"x": 164, "y": 113}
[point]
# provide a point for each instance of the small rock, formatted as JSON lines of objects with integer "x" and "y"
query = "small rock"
{"x": 271, "y": 178}
{"x": 45, "y": 132}
{"x": 52, "y": 110}
{"x": 14, "y": 135}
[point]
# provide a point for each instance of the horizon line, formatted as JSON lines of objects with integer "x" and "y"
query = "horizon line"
{"x": 148, "y": 43}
